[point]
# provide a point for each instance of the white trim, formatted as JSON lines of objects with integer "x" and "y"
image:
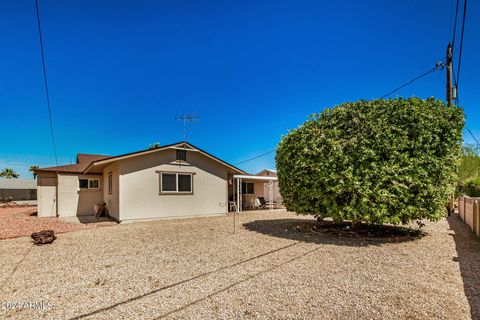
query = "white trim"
{"x": 88, "y": 183}
{"x": 243, "y": 176}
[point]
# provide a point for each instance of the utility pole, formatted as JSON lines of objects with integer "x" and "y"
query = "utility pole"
{"x": 449, "y": 74}
{"x": 451, "y": 206}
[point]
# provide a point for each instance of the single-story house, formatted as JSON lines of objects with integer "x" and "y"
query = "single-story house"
{"x": 271, "y": 191}
{"x": 18, "y": 189}
{"x": 175, "y": 180}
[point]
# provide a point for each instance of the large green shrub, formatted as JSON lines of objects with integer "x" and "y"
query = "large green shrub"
{"x": 471, "y": 187}
{"x": 377, "y": 161}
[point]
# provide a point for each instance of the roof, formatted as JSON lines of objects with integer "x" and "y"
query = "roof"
{"x": 83, "y": 161}
{"x": 86, "y": 162}
{"x": 269, "y": 172}
{"x": 182, "y": 144}
{"x": 18, "y": 184}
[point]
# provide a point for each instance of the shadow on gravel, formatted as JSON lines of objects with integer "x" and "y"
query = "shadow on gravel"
{"x": 310, "y": 231}
{"x": 468, "y": 251}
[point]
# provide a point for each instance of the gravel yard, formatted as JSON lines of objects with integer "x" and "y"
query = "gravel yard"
{"x": 22, "y": 221}
{"x": 198, "y": 269}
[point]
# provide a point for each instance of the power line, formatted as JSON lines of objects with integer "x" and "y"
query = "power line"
{"x": 468, "y": 129}
{"x": 471, "y": 133}
{"x": 46, "y": 82}
{"x": 256, "y": 157}
{"x": 455, "y": 25}
{"x": 473, "y": 81}
{"x": 438, "y": 66}
{"x": 457, "y": 77}
{"x": 461, "y": 44}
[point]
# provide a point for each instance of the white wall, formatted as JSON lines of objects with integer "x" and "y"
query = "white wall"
{"x": 73, "y": 201}
{"x": 46, "y": 192}
{"x": 139, "y": 183}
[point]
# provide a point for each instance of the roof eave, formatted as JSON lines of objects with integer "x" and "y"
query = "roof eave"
{"x": 147, "y": 151}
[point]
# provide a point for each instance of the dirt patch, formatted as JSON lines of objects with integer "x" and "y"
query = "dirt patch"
{"x": 199, "y": 269}
{"x": 20, "y": 221}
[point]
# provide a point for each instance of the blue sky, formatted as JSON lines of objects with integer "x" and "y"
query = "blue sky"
{"x": 120, "y": 71}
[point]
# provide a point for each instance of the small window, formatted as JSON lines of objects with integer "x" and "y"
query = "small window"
{"x": 176, "y": 183}
{"x": 181, "y": 155}
{"x": 247, "y": 188}
{"x": 93, "y": 184}
{"x": 89, "y": 183}
{"x": 110, "y": 183}
{"x": 83, "y": 183}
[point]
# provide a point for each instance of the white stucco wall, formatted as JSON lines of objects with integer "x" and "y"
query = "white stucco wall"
{"x": 73, "y": 201}
{"x": 46, "y": 193}
{"x": 139, "y": 184}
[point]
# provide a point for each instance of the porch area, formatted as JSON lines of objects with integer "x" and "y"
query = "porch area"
{"x": 253, "y": 192}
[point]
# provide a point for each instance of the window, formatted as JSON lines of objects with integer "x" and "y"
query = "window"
{"x": 169, "y": 182}
{"x": 247, "y": 188}
{"x": 110, "y": 183}
{"x": 93, "y": 184}
{"x": 89, "y": 183}
{"x": 181, "y": 155}
{"x": 176, "y": 182}
{"x": 185, "y": 182}
{"x": 83, "y": 183}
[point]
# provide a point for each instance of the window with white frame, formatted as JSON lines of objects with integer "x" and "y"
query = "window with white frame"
{"x": 176, "y": 182}
{"x": 89, "y": 183}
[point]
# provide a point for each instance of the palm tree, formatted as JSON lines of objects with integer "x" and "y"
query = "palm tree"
{"x": 32, "y": 170}
{"x": 9, "y": 174}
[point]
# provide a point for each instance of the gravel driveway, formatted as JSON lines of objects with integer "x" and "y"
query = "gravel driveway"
{"x": 23, "y": 221}
{"x": 198, "y": 269}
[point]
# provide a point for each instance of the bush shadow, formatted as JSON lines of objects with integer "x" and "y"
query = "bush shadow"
{"x": 294, "y": 229}
{"x": 468, "y": 258}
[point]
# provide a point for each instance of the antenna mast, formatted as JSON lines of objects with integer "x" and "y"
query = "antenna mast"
{"x": 187, "y": 120}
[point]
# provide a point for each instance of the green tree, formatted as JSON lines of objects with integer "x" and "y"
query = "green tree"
{"x": 32, "y": 170}
{"x": 154, "y": 145}
{"x": 9, "y": 174}
{"x": 469, "y": 164}
{"x": 375, "y": 161}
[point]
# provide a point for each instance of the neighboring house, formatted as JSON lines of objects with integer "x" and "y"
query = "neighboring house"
{"x": 18, "y": 189}
{"x": 176, "y": 180}
{"x": 273, "y": 195}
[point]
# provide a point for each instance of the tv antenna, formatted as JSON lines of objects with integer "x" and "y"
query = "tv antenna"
{"x": 187, "y": 120}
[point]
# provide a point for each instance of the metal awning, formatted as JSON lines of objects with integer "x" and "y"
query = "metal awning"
{"x": 244, "y": 176}
{"x": 238, "y": 186}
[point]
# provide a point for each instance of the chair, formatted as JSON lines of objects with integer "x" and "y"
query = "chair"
{"x": 261, "y": 203}
{"x": 232, "y": 206}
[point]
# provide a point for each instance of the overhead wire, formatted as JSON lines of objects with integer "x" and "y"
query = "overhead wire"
{"x": 256, "y": 157}
{"x": 438, "y": 66}
{"x": 46, "y": 83}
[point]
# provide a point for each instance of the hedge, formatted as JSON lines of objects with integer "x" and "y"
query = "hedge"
{"x": 376, "y": 161}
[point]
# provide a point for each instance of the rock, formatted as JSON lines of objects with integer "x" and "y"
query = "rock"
{"x": 43, "y": 237}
